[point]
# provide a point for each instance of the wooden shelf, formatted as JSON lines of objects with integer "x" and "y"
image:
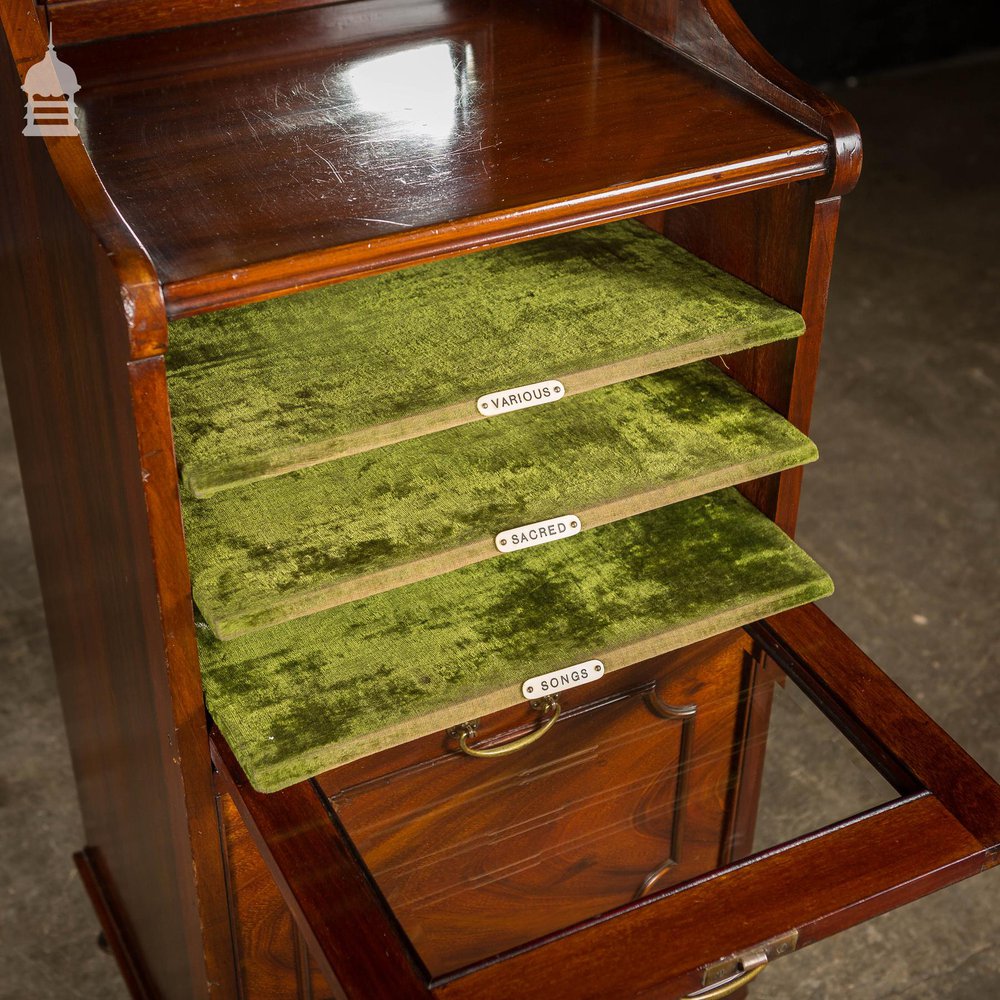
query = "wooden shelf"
{"x": 344, "y": 530}
{"x": 262, "y": 154}
{"x": 256, "y": 156}
{"x": 299, "y": 698}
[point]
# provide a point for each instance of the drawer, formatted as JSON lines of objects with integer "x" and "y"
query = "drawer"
{"x": 562, "y": 869}
{"x": 625, "y": 793}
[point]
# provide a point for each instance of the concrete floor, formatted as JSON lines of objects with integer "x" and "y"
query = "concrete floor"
{"x": 901, "y": 509}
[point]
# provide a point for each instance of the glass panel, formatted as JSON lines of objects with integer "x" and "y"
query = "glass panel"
{"x": 656, "y": 782}
{"x": 813, "y": 775}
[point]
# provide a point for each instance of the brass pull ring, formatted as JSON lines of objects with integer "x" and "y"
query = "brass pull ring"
{"x": 467, "y": 731}
{"x": 730, "y": 986}
{"x": 649, "y": 882}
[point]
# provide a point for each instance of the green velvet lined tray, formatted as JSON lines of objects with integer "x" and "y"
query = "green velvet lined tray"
{"x": 273, "y": 386}
{"x": 333, "y": 533}
{"x": 300, "y": 698}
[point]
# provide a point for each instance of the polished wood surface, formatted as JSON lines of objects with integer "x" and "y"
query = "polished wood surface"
{"x": 820, "y": 885}
{"x": 943, "y": 829}
{"x": 271, "y": 955}
{"x": 343, "y": 918}
{"x": 265, "y": 154}
{"x": 77, "y": 21}
{"x": 712, "y": 33}
{"x": 519, "y": 719}
{"x": 575, "y": 822}
{"x": 780, "y": 240}
{"x": 373, "y": 134}
{"x": 883, "y": 720}
{"x": 114, "y": 934}
{"x": 750, "y": 741}
{"x": 93, "y": 440}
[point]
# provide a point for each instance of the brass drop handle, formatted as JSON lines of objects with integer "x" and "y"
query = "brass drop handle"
{"x": 649, "y": 882}
{"x": 750, "y": 969}
{"x": 467, "y": 731}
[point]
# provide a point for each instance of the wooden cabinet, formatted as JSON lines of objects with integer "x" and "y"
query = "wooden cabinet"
{"x": 271, "y": 957}
{"x": 695, "y": 925}
{"x": 628, "y": 793}
{"x": 231, "y": 153}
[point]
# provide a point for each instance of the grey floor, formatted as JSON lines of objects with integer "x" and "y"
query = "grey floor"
{"x": 901, "y": 509}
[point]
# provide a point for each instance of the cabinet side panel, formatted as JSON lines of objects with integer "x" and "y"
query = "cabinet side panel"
{"x": 781, "y": 242}
{"x": 273, "y": 961}
{"x": 711, "y": 33}
{"x": 64, "y": 342}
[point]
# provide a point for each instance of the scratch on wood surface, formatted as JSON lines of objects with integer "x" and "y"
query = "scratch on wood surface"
{"x": 250, "y": 125}
{"x": 387, "y": 222}
{"x": 336, "y": 172}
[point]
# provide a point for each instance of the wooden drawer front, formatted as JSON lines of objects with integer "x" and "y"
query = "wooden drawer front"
{"x": 577, "y": 821}
{"x": 375, "y": 883}
{"x": 272, "y": 960}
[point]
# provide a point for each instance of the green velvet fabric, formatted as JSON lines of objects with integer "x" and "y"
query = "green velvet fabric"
{"x": 299, "y": 698}
{"x": 332, "y": 533}
{"x": 273, "y": 386}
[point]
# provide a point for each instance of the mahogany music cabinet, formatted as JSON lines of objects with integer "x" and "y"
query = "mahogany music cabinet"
{"x": 376, "y": 690}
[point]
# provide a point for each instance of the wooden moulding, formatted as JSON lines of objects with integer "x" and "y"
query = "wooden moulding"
{"x": 350, "y": 931}
{"x": 740, "y": 907}
{"x": 85, "y": 328}
{"x": 710, "y": 36}
{"x": 882, "y": 720}
{"x": 254, "y": 283}
{"x": 271, "y": 956}
{"x": 791, "y": 231}
{"x": 711, "y": 33}
{"x": 112, "y": 928}
{"x": 629, "y": 791}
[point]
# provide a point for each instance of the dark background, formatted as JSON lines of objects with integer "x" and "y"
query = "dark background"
{"x": 823, "y": 40}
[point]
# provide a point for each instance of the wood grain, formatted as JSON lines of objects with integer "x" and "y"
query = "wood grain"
{"x": 77, "y": 294}
{"x": 114, "y": 934}
{"x": 271, "y": 955}
{"x": 520, "y": 719}
{"x": 712, "y": 33}
{"x": 515, "y": 120}
{"x": 260, "y": 155}
{"x": 78, "y": 21}
{"x": 779, "y": 240}
{"x": 340, "y": 913}
{"x": 751, "y": 747}
{"x": 819, "y": 885}
{"x": 576, "y": 821}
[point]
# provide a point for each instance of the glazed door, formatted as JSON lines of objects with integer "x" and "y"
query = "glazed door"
{"x": 617, "y": 858}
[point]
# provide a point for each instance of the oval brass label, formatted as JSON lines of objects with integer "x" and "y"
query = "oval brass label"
{"x": 520, "y": 398}
{"x": 538, "y": 533}
{"x": 562, "y": 680}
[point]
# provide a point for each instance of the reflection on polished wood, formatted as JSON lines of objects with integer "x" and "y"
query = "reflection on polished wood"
{"x": 393, "y": 130}
{"x": 259, "y": 155}
{"x": 271, "y": 956}
{"x": 575, "y": 823}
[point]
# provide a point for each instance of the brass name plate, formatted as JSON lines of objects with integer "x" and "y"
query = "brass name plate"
{"x": 520, "y": 398}
{"x": 538, "y": 533}
{"x": 562, "y": 680}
